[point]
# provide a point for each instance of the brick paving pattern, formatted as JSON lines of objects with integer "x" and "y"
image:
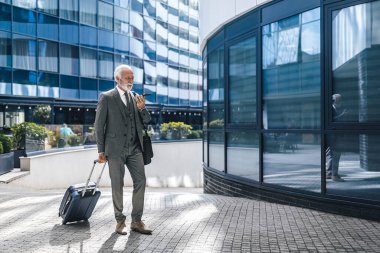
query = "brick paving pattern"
{"x": 184, "y": 220}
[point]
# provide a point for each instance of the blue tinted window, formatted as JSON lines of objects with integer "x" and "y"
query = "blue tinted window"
{"x": 162, "y": 95}
{"x": 184, "y": 59}
{"x": 48, "y": 85}
{"x": 105, "y": 65}
{"x": 277, "y": 164}
{"x": 69, "y": 87}
{"x": 173, "y": 75}
{"x": 162, "y": 74}
{"x": 121, "y": 21}
{"x": 69, "y": 32}
{"x": 149, "y": 29}
{"x": 137, "y": 48}
{"x": 48, "y": 6}
{"x": 88, "y": 60}
{"x": 150, "y": 89}
{"x": 106, "y": 40}
{"x": 5, "y": 81}
{"x": 354, "y": 46}
{"x": 121, "y": 59}
{"x": 5, "y": 16}
{"x": 48, "y": 56}
{"x": 352, "y": 165}
{"x": 173, "y": 16}
{"x": 106, "y": 85}
{"x": 216, "y": 88}
{"x": 122, "y": 3}
{"x": 69, "y": 9}
{"x": 162, "y": 12}
{"x": 5, "y": 49}
{"x": 88, "y": 36}
{"x": 88, "y": 12}
{"x": 105, "y": 16}
{"x": 173, "y": 56}
{"x": 24, "y": 52}
{"x": 162, "y": 53}
{"x": 291, "y": 74}
{"x": 138, "y": 70}
{"x": 27, "y": 4}
{"x": 149, "y": 51}
{"x": 173, "y": 36}
{"x": 183, "y": 87}
{"x": 184, "y": 39}
{"x": 150, "y": 75}
{"x": 243, "y": 154}
{"x": 121, "y": 43}
{"x": 24, "y": 21}
{"x": 69, "y": 60}
{"x": 150, "y": 8}
{"x": 137, "y": 5}
{"x": 24, "y": 83}
{"x": 47, "y": 27}
{"x": 88, "y": 88}
{"x": 137, "y": 24}
{"x": 162, "y": 32}
{"x": 242, "y": 82}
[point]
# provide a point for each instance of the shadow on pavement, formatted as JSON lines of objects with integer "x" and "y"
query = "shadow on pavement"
{"x": 132, "y": 242}
{"x": 70, "y": 233}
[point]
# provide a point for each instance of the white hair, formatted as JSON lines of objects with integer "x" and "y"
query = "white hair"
{"x": 119, "y": 68}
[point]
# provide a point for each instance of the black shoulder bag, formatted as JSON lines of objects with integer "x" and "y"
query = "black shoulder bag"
{"x": 147, "y": 144}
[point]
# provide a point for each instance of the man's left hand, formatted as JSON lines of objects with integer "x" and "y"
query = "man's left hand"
{"x": 140, "y": 102}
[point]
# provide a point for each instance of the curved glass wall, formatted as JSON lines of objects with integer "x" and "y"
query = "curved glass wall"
{"x": 282, "y": 113}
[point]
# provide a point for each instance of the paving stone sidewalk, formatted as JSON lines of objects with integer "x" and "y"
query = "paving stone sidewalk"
{"x": 184, "y": 220}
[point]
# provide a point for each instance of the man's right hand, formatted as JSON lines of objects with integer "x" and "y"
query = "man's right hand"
{"x": 102, "y": 158}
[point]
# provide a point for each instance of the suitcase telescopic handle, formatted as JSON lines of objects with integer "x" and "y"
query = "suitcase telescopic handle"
{"x": 89, "y": 177}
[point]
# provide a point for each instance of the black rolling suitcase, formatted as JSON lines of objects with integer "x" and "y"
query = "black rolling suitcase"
{"x": 79, "y": 200}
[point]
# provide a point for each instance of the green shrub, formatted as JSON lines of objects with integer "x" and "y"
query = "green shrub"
{"x": 1, "y": 148}
{"x": 6, "y": 143}
{"x": 53, "y": 137}
{"x": 27, "y": 130}
{"x": 195, "y": 134}
{"x": 73, "y": 140}
{"x": 177, "y": 130}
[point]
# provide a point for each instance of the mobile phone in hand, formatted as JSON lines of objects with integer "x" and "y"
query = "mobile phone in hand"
{"x": 145, "y": 94}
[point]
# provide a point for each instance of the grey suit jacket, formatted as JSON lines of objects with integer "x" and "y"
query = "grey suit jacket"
{"x": 111, "y": 123}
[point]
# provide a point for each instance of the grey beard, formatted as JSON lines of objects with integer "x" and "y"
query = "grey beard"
{"x": 125, "y": 87}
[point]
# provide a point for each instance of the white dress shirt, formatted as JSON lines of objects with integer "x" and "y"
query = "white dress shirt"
{"x": 122, "y": 95}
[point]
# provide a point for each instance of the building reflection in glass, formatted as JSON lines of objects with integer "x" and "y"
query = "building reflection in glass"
{"x": 293, "y": 160}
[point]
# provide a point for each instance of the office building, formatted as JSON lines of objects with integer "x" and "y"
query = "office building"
{"x": 62, "y": 53}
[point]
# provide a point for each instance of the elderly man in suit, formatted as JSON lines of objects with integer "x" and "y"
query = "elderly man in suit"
{"x": 120, "y": 116}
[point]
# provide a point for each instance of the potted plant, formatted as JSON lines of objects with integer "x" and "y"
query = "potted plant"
{"x": 27, "y": 136}
{"x": 6, "y": 156}
{"x": 175, "y": 130}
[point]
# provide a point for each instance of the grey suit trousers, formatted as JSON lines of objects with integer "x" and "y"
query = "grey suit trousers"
{"x": 135, "y": 165}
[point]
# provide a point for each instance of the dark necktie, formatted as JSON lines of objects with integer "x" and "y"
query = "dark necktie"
{"x": 128, "y": 97}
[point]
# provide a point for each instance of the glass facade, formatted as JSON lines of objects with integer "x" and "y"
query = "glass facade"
{"x": 68, "y": 50}
{"x": 283, "y": 114}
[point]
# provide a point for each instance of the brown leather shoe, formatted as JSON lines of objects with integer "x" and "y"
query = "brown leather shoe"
{"x": 119, "y": 228}
{"x": 139, "y": 226}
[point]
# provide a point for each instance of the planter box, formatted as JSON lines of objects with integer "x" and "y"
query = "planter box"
{"x": 6, "y": 162}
